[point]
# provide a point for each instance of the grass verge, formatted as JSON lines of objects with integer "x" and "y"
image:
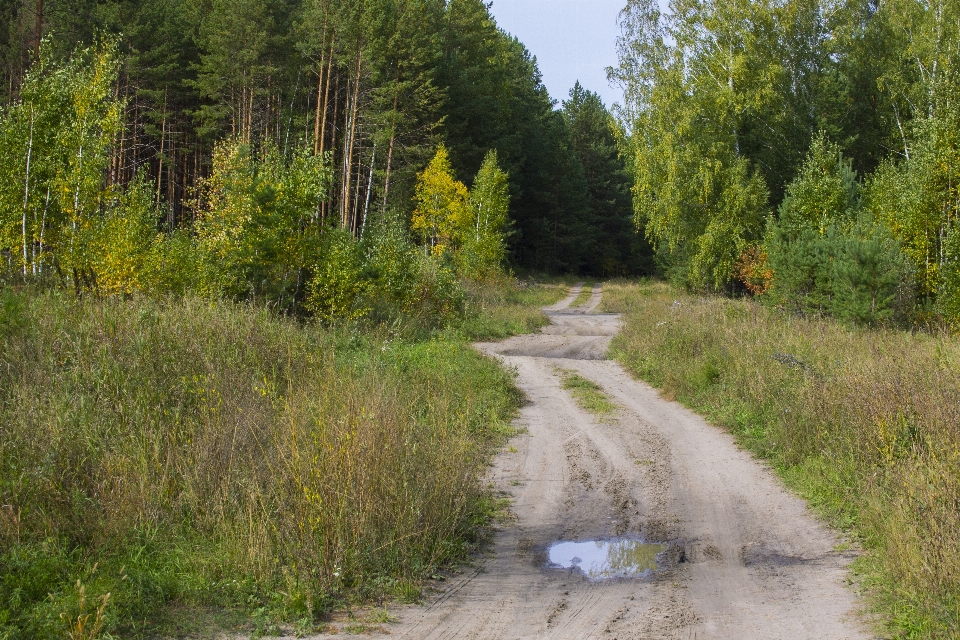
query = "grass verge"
{"x": 862, "y": 423}
{"x": 587, "y": 393}
{"x": 181, "y": 459}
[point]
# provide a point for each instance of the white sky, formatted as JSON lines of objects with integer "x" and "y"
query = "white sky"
{"x": 571, "y": 39}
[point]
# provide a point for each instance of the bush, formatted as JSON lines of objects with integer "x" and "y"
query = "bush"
{"x": 949, "y": 298}
{"x": 340, "y": 284}
{"x": 855, "y": 275}
{"x": 258, "y": 227}
{"x": 827, "y": 256}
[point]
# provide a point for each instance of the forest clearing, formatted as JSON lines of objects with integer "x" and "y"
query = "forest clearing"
{"x": 281, "y": 280}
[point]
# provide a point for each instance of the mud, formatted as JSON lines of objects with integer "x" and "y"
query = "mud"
{"x": 743, "y": 558}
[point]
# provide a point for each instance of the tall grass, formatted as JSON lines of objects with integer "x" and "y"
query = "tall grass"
{"x": 864, "y": 423}
{"x": 507, "y": 307}
{"x": 211, "y": 454}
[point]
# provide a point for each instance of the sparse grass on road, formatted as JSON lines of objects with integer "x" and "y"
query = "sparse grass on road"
{"x": 588, "y": 394}
{"x": 861, "y": 422}
{"x": 584, "y": 296}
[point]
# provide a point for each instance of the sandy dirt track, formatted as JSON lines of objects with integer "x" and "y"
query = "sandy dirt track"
{"x": 746, "y": 560}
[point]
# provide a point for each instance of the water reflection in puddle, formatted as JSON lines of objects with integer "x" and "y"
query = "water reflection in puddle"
{"x": 606, "y": 559}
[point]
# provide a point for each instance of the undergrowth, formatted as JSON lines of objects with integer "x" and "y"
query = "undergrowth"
{"x": 189, "y": 456}
{"x": 861, "y": 422}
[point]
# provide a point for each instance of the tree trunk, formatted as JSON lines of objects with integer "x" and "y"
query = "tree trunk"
{"x": 26, "y": 195}
{"x": 38, "y": 32}
{"x": 333, "y": 139}
{"x": 366, "y": 206}
{"x": 356, "y": 199}
{"x": 163, "y": 137}
{"x": 352, "y": 138}
{"x": 326, "y": 98}
{"x": 393, "y": 135}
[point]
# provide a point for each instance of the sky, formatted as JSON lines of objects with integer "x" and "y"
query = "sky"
{"x": 571, "y": 39}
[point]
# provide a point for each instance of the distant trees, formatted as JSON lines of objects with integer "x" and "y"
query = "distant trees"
{"x": 610, "y": 245}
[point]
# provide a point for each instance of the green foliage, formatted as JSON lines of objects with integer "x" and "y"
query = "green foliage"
{"x": 828, "y": 257}
{"x": 781, "y": 106}
{"x": 394, "y": 261}
{"x": 949, "y": 300}
{"x": 868, "y": 275}
{"x": 917, "y": 199}
{"x": 611, "y": 247}
{"x": 54, "y": 148}
{"x": 700, "y": 200}
{"x": 824, "y": 192}
{"x": 258, "y": 228}
{"x": 339, "y": 285}
{"x": 482, "y": 234}
{"x": 496, "y": 100}
{"x": 442, "y": 208}
{"x": 125, "y": 245}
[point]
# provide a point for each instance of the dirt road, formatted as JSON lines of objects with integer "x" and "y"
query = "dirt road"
{"x": 744, "y": 558}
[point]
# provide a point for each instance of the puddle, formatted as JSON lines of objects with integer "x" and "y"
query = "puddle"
{"x": 606, "y": 559}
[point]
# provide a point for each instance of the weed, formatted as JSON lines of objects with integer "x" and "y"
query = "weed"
{"x": 584, "y": 295}
{"x": 500, "y": 309}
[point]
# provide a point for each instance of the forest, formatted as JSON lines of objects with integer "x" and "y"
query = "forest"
{"x": 279, "y": 151}
{"x": 244, "y": 247}
{"x": 804, "y": 151}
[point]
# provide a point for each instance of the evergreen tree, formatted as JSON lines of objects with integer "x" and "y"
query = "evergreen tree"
{"x": 612, "y": 244}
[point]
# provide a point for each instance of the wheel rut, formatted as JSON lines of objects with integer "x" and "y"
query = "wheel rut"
{"x": 745, "y": 559}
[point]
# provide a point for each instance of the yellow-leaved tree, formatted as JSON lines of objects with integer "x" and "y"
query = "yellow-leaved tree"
{"x": 441, "y": 204}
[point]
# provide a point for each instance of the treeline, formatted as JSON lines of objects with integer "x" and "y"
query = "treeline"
{"x": 237, "y": 147}
{"x": 805, "y": 150}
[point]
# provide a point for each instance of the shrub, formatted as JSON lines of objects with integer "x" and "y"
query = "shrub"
{"x": 826, "y": 255}
{"x": 340, "y": 283}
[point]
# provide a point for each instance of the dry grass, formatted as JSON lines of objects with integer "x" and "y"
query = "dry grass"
{"x": 197, "y": 454}
{"x": 864, "y": 423}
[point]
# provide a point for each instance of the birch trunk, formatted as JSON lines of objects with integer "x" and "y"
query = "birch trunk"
{"x": 26, "y": 195}
{"x": 353, "y": 131}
